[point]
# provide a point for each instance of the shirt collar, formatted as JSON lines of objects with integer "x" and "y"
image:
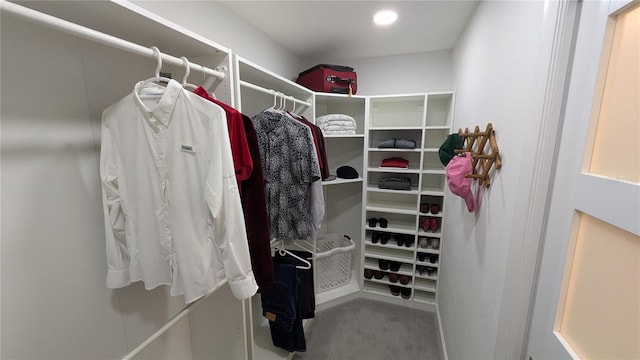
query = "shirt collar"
{"x": 164, "y": 108}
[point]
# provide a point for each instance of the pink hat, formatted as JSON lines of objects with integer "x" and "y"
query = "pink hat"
{"x": 457, "y": 168}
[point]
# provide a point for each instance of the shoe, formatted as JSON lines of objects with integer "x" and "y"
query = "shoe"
{"x": 400, "y": 239}
{"x": 372, "y": 222}
{"x": 434, "y": 243}
{"x": 368, "y": 273}
{"x": 393, "y": 277}
{"x": 435, "y": 225}
{"x": 394, "y": 266}
{"x": 421, "y": 269}
{"x": 425, "y": 225}
{"x": 378, "y": 274}
{"x": 383, "y": 222}
{"x": 383, "y": 264}
{"x": 424, "y": 208}
{"x": 421, "y": 256}
{"x": 385, "y": 238}
{"x": 433, "y": 259}
{"x": 404, "y": 279}
{"x": 375, "y": 237}
{"x": 423, "y": 242}
{"x": 432, "y": 271}
{"x": 395, "y": 290}
{"x": 435, "y": 209}
{"x": 406, "y": 293}
{"x": 408, "y": 242}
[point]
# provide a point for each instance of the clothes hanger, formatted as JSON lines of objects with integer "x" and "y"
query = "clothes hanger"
{"x": 282, "y": 251}
{"x": 204, "y": 81}
{"x": 157, "y": 90}
{"x": 187, "y": 71}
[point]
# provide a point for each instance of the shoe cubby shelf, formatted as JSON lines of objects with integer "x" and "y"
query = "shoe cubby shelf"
{"x": 428, "y": 251}
{"x": 392, "y": 244}
{"x": 424, "y": 122}
{"x": 427, "y": 263}
{"x": 405, "y": 268}
{"x": 385, "y": 280}
{"x": 426, "y": 288}
{"x": 376, "y": 252}
{"x": 383, "y": 290}
{"x": 409, "y": 230}
{"x": 375, "y": 149}
{"x": 414, "y": 190}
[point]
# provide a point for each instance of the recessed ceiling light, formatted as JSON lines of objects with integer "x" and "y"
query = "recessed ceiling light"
{"x": 385, "y": 17}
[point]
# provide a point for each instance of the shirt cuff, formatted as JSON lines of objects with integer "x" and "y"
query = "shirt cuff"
{"x": 244, "y": 288}
{"x": 117, "y": 278}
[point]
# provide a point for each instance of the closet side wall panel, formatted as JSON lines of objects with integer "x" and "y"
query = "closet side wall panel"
{"x": 55, "y": 302}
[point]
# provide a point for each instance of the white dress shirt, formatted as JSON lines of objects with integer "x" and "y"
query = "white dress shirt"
{"x": 172, "y": 210}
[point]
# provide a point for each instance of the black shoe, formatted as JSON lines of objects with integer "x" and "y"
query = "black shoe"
{"x": 408, "y": 242}
{"x": 378, "y": 274}
{"x": 383, "y": 222}
{"x": 406, "y": 293}
{"x": 372, "y": 222}
{"x": 394, "y": 266}
{"x": 375, "y": 237}
{"x": 383, "y": 264}
{"x": 395, "y": 290}
{"x": 385, "y": 238}
{"x": 400, "y": 239}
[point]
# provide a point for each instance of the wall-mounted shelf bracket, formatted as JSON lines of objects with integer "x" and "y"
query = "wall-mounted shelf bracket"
{"x": 484, "y": 151}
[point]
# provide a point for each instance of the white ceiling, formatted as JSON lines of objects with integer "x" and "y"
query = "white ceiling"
{"x": 313, "y": 30}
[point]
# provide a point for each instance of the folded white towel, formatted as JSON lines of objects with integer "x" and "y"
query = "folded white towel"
{"x": 334, "y": 117}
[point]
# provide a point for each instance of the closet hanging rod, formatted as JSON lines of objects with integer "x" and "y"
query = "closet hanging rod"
{"x": 271, "y": 92}
{"x": 184, "y": 312}
{"x": 90, "y": 34}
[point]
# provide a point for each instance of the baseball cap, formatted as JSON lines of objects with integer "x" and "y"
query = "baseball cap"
{"x": 451, "y": 143}
{"x": 460, "y": 185}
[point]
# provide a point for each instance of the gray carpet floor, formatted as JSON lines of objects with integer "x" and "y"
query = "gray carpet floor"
{"x": 366, "y": 329}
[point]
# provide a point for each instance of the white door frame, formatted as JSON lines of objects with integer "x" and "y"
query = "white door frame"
{"x": 560, "y": 25}
{"x": 585, "y": 79}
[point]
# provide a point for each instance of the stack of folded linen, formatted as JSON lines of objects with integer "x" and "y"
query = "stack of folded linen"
{"x": 337, "y": 124}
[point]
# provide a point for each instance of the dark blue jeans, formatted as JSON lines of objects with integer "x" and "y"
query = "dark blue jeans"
{"x": 280, "y": 306}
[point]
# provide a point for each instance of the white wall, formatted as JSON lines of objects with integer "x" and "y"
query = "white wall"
{"x": 500, "y": 65}
{"x": 218, "y": 23}
{"x": 410, "y": 73}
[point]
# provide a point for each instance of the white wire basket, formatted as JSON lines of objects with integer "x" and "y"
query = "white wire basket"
{"x": 333, "y": 261}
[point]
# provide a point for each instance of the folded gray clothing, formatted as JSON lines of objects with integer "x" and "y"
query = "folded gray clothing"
{"x": 397, "y": 143}
{"x": 395, "y": 183}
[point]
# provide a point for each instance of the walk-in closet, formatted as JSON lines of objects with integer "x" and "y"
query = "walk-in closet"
{"x": 169, "y": 191}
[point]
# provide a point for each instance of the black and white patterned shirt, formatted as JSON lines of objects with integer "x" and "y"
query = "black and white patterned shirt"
{"x": 290, "y": 166}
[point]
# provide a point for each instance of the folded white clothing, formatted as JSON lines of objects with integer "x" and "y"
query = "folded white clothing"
{"x": 346, "y": 124}
{"x": 338, "y": 132}
{"x": 334, "y": 117}
{"x": 337, "y": 127}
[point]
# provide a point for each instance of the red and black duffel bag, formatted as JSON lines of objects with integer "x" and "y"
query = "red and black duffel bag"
{"x": 335, "y": 79}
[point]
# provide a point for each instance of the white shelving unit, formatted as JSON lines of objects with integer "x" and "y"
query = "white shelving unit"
{"x": 426, "y": 120}
{"x": 343, "y": 197}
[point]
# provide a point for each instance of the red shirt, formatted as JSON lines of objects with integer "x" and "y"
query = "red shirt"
{"x": 239, "y": 148}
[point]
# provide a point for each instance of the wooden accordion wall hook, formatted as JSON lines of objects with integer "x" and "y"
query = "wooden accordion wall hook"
{"x": 484, "y": 152}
